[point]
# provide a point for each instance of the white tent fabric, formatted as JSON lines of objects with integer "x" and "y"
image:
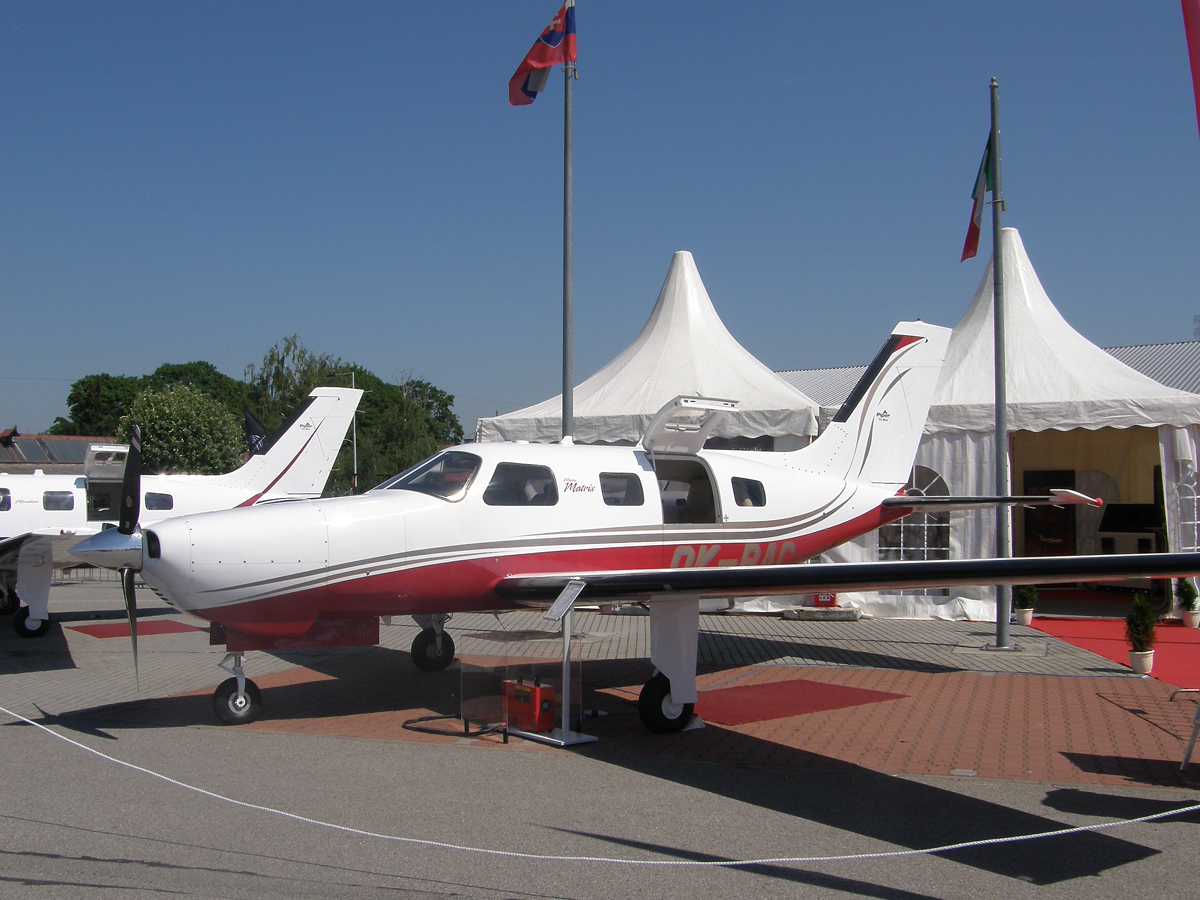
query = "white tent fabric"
{"x": 1056, "y": 379}
{"x": 684, "y": 348}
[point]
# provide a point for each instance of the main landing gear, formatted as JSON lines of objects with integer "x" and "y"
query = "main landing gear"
{"x": 657, "y": 711}
{"x": 21, "y": 625}
{"x": 237, "y": 701}
{"x": 432, "y": 649}
{"x": 9, "y": 601}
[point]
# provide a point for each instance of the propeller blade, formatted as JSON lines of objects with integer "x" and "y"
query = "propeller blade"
{"x": 131, "y": 485}
{"x": 131, "y": 610}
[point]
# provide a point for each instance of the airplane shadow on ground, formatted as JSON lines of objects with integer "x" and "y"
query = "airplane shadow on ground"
{"x": 45, "y": 654}
{"x": 753, "y": 649}
{"x": 896, "y": 812}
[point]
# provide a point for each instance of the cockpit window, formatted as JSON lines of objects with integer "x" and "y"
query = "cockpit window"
{"x": 447, "y": 475}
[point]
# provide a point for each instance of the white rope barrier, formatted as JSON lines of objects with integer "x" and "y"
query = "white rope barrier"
{"x": 546, "y": 857}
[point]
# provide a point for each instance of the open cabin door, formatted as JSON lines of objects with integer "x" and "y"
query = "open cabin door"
{"x": 685, "y": 485}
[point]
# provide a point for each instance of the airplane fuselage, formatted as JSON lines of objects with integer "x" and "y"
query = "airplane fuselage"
{"x": 276, "y": 573}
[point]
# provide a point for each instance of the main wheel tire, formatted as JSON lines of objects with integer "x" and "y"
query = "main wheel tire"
{"x": 424, "y": 651}
{"x": 658, "y": 713}
{"x": 19, "y": 626}
{"x": 234, "y": 710}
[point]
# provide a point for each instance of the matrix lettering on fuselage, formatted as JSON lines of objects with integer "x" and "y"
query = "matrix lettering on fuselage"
{"x": 687, "y": 557}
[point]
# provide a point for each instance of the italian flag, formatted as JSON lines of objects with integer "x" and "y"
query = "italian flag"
{"x": 971, "y": 245}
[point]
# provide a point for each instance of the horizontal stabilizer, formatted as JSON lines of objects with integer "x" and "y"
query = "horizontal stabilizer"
{"x": 1056, "y": 497}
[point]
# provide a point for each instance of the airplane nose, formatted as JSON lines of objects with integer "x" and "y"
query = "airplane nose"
{"x": 111, "y": 550}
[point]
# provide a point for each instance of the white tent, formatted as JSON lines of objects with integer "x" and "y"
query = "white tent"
{"x": 1057, "y": 381}
{"x": 684, "y": 348}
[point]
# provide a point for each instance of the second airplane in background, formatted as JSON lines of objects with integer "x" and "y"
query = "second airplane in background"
{"x": 42, "y": 516}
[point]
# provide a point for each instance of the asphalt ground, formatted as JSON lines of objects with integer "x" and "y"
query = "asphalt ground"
{"x": 1047, "y": 738}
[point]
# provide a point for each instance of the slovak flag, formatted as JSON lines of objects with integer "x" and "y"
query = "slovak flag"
{"x": 971, "y": 245}
{"x": 555, "y": 45}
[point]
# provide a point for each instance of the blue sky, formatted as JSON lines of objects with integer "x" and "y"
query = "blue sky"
{"x": 197, "y": 181}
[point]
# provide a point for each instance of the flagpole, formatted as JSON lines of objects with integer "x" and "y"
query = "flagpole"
{"x": 1003, "y": 539}
{"x": 568, "y": 399}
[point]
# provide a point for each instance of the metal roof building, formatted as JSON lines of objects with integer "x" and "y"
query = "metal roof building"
{"x": 52, "y": 453}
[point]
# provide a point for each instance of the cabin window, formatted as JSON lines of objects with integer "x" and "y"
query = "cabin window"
{"x": 515, "y": 484}
{"x": 921, "y": 535}
{"x": 749, "y": 493}
{"x": 686, "y": 491}
{"x": 447, "y": 475}
{"x": 159, "y": 501}
{"x": 58, "y": 500}
{"x": 5, "y": 499}
{"x": 621, "y": 489}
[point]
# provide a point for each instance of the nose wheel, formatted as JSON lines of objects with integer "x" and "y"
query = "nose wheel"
{"x": 237, "y": 700}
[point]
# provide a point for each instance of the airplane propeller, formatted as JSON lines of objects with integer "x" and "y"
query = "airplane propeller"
{"x": 120, "y": 548}
{"x": 131, "y": 510}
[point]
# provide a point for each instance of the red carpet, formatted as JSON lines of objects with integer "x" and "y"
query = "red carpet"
{"x": 1176, "y": 650}
{"x": 781, "y": 699}
{"x": 121, "y": 629}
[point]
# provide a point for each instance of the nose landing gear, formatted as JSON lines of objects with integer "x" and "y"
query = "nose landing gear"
{"x": 237, "y": 700}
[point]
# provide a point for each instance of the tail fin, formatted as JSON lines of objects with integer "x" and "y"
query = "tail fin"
{"x": 873, "y": 437}
{"x": 299, "y": 457}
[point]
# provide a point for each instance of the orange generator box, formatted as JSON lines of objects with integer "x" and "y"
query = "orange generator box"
{"x": 530, "y": 706}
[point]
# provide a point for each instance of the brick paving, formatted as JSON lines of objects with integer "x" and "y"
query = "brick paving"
{"x": 1050, "y": 713}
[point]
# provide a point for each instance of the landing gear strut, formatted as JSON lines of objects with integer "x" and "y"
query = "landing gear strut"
{"x": 657, "y": 711}
{"x": 432, "y": 649}
{"x": 237, "y": 701}
{"x": 9, "y": 601}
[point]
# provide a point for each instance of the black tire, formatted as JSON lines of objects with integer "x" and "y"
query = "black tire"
{"x": 657, "y": 712}
{"x": 24, "y": 630}
{"x": 424, "y": 651}
{"x": 225, "y": 702}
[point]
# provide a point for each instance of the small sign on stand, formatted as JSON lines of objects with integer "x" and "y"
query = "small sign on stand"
{"x": 562, "y": 611}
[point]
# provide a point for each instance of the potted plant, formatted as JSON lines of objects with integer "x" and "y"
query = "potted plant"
{"x": 1025, "y": 597}
{"x": 1139, "y": 632}
{"x": 1185, "y": 593}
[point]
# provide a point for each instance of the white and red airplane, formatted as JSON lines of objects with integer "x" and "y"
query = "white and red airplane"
{"x": 502, "y": 525}
{"x": 43, "y": 516}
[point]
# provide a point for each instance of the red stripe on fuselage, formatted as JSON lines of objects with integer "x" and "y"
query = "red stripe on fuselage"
{"x": 469, "y": 585}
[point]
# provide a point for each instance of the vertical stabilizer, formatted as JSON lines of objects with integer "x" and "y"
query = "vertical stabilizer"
{"x": 873, "y": 437}
{"x": 298, "y": 458}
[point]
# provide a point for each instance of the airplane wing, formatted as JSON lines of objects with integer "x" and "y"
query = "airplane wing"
{"x": 807, "y": 578}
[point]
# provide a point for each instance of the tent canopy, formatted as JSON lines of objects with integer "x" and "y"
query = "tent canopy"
{"x": 1056, "y": 378}
{"x": 683, "y": 348}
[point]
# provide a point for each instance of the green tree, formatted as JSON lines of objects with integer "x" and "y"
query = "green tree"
{"x": 288, "y": 373}
{"x": 184, "y": 430}
{"x": 440, "y": 406}
{"x": 203, "y": 376}
{"x": 97, "y": 403}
